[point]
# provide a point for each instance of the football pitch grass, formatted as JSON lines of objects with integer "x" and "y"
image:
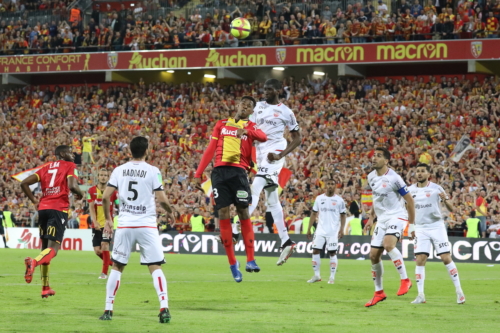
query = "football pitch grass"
{"x": 204, "y": 297}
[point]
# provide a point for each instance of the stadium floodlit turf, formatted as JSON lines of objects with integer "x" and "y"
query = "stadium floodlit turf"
{"x": 204, "y": 297}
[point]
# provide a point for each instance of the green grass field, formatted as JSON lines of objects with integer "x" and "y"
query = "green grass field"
{"x": 204, "y": 298}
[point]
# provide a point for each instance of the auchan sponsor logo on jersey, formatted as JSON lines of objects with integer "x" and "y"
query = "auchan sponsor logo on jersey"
{"x": 225, "y": 131}
{"x": 419, "y": 51}
{"x": 330, "y": 54}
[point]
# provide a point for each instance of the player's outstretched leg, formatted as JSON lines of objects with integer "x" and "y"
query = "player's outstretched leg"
{"x": 274, "y": 207}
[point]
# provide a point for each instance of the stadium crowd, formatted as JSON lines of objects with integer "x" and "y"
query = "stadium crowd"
{"x": 420, "y": 119}
{"x": 152, "y": 25}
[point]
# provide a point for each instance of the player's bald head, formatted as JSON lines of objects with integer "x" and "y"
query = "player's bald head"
{"x": 276, "y": 84}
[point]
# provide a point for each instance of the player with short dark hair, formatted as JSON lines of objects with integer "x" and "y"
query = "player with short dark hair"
{"x": 57, "y": 180}
{"x": 138, "y": 184}
{"x": 389, "y": 195}
{"x": 273, "y": 118}
{"x": 99, "y": 242}
{"x": 330, "y": 210}
{"x": 231, "y": 142}
{"x": 429, "y": 227}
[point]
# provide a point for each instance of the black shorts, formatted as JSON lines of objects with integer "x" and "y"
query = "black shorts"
{"x": 98, "y": 238}
{"x": 230, "y": 186}
{"x": 2, "y": 231}
{"x": 52, "y": 224}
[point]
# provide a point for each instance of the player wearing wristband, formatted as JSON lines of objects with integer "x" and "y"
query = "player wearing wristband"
{"x": 231, "y": 143}
{"x": 57, "y": 179}
{"x": 389, "y": 195}
{"x": 99, "y": 241}
{"x": 429, "y": 227}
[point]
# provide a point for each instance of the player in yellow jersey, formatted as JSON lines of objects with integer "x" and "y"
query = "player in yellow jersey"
{"x": 99, "y": 240}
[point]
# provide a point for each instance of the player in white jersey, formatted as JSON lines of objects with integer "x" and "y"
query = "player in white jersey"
{"x": 138, "y": 184}
{"x": 330, "y": 210}
{"x": 389, "y": 196}
{"x": 429, "y": 227}
{"x": 273, "y": 118}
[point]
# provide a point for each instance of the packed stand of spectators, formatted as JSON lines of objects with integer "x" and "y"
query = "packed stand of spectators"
{"x": 420, "y": 119}
{"x": 25, "y": 6}
{"x": 152, "y": 25}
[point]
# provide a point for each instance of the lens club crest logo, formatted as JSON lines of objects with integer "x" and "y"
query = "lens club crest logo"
{"x": 476, "y": 49}
{"x": 280, "y": 55}
{"x": 112, "y": 60}
{"x": 427, "y": 194}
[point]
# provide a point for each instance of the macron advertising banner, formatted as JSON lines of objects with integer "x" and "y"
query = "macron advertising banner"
{"x": 293, "y": 55}
{"x": 350, "y": 247}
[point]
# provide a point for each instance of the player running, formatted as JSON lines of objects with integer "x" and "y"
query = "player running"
{"x": 273, "y": 117}
{"x": 57, "y": 179}
{"x": 429, "y": 227}
{"x": 389, "y": 196}
{"x": 99, "y": 242}
{"x": 331, "y": 211}
{"x": 138, "y": 183}
{"x": 231, "y": 142}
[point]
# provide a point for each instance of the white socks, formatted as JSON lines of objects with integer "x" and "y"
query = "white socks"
{"x": 397, "y": 259}
{"x": 420, "y": 277}
{"x": 257, "y": 187}
{"x": 111, "y": 288}
{"x": 377, "y": 272}
{"x": 279, "y": 221}
{"x": 160, "y": 284}
{"x": 316, "y": 263}
{"x": 333, "y": 266}
{"x": 452, "y": 270}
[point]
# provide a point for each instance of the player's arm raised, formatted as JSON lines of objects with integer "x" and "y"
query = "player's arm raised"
{"x": 312, "y": 220}
{"x": 108, "y": 228}
{"x": 25, "y": 186}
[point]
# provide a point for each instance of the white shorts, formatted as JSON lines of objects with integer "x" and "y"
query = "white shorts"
{"x": 394, "y": 226}
{"x": 269, "y": 169}
{"x": 331, "y": 241}
{"x": 438, "y": 237}
{"x": 149, "y": 245}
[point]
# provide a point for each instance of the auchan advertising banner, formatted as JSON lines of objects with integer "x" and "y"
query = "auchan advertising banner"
{"x": 484, "y": 49}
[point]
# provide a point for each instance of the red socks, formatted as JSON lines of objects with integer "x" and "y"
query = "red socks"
{"x": 226, "y": 233}
{"x": 248, "y": 238}
{"x": 45, "y": 256}
{"x": 105, "y": 262}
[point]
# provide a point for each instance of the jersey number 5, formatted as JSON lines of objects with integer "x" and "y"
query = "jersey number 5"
{"x": 133, "y": 190}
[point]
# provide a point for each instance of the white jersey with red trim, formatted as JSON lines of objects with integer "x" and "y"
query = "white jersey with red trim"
{"x": 136, "y": 182}
{"x": 388, "y": 191}
{"x": 427, "y": 205}
{"x": 273, "y": 120}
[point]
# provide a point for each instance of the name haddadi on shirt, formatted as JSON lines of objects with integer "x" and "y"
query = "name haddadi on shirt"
{"x": 388, "y": 191}
{"x": 329, "y": 210}
{"x": 136, "y": 182}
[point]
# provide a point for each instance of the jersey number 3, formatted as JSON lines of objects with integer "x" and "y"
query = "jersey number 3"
{"x": 133, "y": 190}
